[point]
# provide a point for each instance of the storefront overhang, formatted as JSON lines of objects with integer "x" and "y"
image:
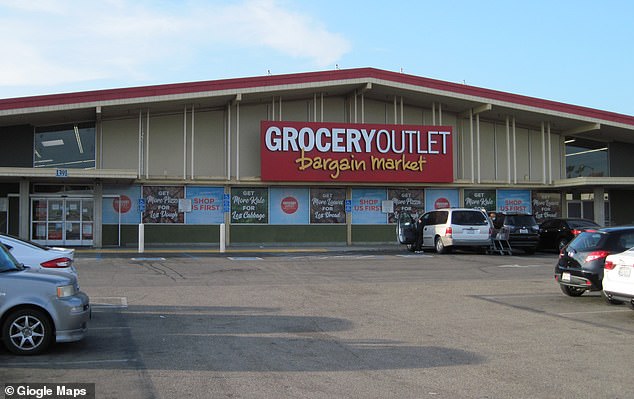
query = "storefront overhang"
{"x": 589, "y": 182}
{"x": 65, "y": 175}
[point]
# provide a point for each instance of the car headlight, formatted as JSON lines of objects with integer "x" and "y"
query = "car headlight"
{"x": 65, "y": 290}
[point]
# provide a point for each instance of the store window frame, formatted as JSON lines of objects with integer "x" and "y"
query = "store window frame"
{"x": 586, "y": 158}
{"x": 70, "y": 146}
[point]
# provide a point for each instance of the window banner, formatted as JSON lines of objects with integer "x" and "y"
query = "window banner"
{"x": 327, "y": 205}
{"x": 347, "y": 152}
{"x": 250, "y": 205}
{"x": 406, "y": 200}
{"x": 366, "y": 206}
{"x": 441, "y": 198}
{"x": 514, "y": 201}
{"x": 125, "y": 204}
{"x": 482, "y": 199}
{"x": 206, "y": 205}
{"x": 546, "y": 205}
{"x": 288, "y": 205}
{"x": 161, "y": 204}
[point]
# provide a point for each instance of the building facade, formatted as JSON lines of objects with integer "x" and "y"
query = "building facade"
{"x": 323, "y": 157}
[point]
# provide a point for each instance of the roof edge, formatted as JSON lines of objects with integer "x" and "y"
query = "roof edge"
{"x": 93, "y": 96}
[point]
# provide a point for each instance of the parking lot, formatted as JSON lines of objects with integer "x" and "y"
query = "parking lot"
{"x": 337, "y": 324}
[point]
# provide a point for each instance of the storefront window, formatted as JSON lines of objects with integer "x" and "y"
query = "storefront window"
{"x": 586, "y": 158}
{"x": 69, "y": 146}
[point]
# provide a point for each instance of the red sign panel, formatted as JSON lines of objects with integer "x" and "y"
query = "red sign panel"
{"x": 346, "y": 152}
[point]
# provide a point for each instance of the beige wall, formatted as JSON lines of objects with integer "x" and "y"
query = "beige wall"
{"x": 165, "y": 158}
{"x": 501, "y": 147}
{"x": 120, "y": 140}
{"x": 209, "y": 145}
{"x": 249, "y": 140}
{"x": 167, "y": 149}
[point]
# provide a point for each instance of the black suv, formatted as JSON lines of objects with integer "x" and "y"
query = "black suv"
{"x": 522, "y": 227}
{"x": 580, "y": 265}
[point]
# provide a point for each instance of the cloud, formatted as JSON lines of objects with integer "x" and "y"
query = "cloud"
{"x": 265, "y": 23}
{"x": 55, "y": 42}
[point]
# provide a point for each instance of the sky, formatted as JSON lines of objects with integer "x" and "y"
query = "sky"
{"x": 578, "y": 52}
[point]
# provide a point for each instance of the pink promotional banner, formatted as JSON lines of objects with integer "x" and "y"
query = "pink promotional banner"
{"x": 346, "y": 152}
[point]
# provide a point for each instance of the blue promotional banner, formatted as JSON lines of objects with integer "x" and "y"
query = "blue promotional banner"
{"x": 289, "y": 205}
{"x": 366, "y": 206}
{"x": 207, "y": 205}
{"x": 514, "y": 201}
{"x": 441, "y": 198}
{"x": 121, "y": 203}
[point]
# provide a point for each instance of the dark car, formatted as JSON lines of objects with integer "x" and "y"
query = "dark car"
{"x": 556, "y": 233}
{"x": 523, "y": 230}
{"x": 580, "y": 265}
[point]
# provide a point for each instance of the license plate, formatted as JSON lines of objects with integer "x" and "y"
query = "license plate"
{"x": 469, "y": 231}
{"x": 625, "y": 271}
{"x": 565, "y": 276}
{"x": 523, "y": 231}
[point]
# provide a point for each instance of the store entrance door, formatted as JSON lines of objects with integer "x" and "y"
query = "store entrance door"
{"x": 62, "y": 221}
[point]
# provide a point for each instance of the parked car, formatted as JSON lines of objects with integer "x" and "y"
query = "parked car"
{"x": 38, "y": 307}
{"x": 618, "y": 277}
{"x": 446, "y": 229}
{"x": 523, "y": 230}
{"x": 39, "y": 256}
{"x": 581, "y": 263}
{"x": 556, "y": 233}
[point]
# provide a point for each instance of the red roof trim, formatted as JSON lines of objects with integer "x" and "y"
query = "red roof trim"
{"x": 308, "y": 77}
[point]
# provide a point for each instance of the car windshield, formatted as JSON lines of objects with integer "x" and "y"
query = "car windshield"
{"x": 575, "y": 224}
{"x": 31, "y": 243}
{"x": 468, "y": 218}
{"x": 588, "y": 241}
{"x": 520, "y": 220}
{"x": 7, "y": 261}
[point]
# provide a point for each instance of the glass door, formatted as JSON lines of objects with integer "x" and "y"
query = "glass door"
{"x": 55, "y": 222}
{"x": 62, "y": 221}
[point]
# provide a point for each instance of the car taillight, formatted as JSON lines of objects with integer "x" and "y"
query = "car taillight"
{"x": 609, "y": 265}
{"x": 575, "y": 232}
{"x": 58, "y": 263}
{"x": 596, "y": 255}
{"x": 448, "y": 232}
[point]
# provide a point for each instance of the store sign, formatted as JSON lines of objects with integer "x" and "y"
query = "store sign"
{"x": 333, "y": 152}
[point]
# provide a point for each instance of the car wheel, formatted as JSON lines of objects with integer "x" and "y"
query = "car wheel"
{"x": 610, "y": 300}
{"x": 411, "y": 247}
{"x": 572, "y": 291}
{"x": 561, "y": 244}
{"x": 27, "y": 332}
{"x": 440, "y": 247}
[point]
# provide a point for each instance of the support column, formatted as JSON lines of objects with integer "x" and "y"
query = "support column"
{"x": 599, "y": 206}
{"x": 25, "y": 210}
{"x": 97, "y": 217}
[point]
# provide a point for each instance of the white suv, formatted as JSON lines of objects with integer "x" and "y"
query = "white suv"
{"x": 618, "y": 277}
{"x": 445, "y": 229}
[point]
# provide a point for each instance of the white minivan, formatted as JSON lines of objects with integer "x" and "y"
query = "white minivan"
{"x": 445, "y": 229}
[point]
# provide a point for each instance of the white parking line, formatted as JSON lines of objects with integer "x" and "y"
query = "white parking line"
{"x": 101, "y": 302}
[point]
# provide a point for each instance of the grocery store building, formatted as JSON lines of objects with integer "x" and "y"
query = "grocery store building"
{"x": 319, "y": 157}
